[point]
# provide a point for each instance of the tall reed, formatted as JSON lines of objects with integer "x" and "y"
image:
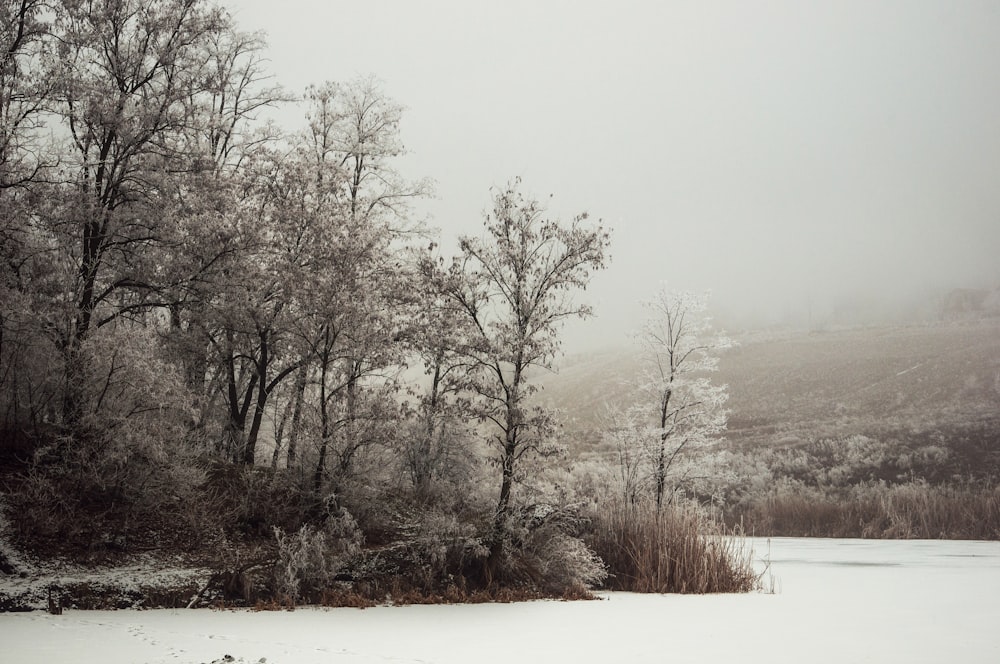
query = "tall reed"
{"x": 669, "y": 550}
{"x": 916, "y": 510}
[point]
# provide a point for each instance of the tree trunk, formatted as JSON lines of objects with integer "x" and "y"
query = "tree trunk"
{"x": 510, "y": 452}
{"x": 661, "y": 471}
{"x": 250, "y": 445}
{"x": 300, "y": 394}
{"x": 422, "y": 464}
{"x": 661, "y": 461}
{"x": 324, "y": 419}
{"x": 507, "y": 482}
{"x": 238, "y": 408}
{"x": 73, "y": 388}
{"x": 279, "y": 433}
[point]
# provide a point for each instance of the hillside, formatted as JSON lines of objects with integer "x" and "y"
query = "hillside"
{"x": 940, "y": 381}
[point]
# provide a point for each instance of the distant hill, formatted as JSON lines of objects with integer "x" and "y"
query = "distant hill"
{"x": 970, "y": 303}
{"x": 940, "y": 381}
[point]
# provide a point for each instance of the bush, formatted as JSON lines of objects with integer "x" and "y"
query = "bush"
{"x": 103, "y": 494}
{"x": 311, "y": 558}
{"x": 249, "y": 502}
{"x": 124, "y": 469}
{"x": 543, "y": 551}
{"x": 441, "y": 550}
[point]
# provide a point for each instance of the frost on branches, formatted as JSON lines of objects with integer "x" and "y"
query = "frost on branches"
{"x": 514, "y": 288}
{"x": 677, "y": 407}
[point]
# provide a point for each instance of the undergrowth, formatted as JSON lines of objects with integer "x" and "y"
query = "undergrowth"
{"x": 915, "y": 510}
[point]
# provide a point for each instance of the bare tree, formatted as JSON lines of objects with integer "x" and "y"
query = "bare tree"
{"x": 353, "y": 130}
{"x": 678, "y": 407}
{"x": 125, "y": 73}
{"x": 351, "y": 184}
{"x": 439, "y": 333}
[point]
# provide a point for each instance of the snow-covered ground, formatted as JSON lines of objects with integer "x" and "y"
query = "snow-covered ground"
{"x": 837, "y": 601}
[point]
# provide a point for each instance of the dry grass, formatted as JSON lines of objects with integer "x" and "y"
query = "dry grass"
{"x": 908, "y": 511}
{"x": 673, "y": 550}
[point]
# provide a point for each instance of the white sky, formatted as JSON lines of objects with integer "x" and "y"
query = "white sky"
{"x": 778, "y": 153}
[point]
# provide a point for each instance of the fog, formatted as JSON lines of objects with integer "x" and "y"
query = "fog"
{"x": 807, "y": 162}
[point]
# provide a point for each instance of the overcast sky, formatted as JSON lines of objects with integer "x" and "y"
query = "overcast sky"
{"x": 782, "y": 154}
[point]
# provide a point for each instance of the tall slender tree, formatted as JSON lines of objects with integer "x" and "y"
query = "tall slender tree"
{"x": 348, "y": 149}
{"x": 678, "y": 406}
{"x": 514, "y": 285}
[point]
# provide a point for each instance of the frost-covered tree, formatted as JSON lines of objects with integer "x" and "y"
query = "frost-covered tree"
{"x": 626, "y": 437}
{"x": 360, "y": 294}
{"x": 24, "y": 91}
{"x": 312, "y": 295}
{"x": 677, "y": 407}
{"x": 514, "y": 286}
{"x": 434, "y": 452}
{"x": 128, "y": 71}
{"x": 25, "y": 36}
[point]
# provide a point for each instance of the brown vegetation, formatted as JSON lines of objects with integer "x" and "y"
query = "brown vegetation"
{"x": 907, "y": 511}
{"x": 669, "y": 550}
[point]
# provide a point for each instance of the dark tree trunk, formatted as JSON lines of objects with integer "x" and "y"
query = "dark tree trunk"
{"x": 511, "y": 450}
{"x": 324, "y": 422}
{"x": 300, "y": 394}
{"x": 250, "y": 446}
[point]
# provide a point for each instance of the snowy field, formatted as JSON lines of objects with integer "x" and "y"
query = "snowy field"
{"x": 839, "y": 601}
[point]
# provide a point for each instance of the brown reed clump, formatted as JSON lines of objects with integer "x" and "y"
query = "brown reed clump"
{"x": 669, "y": 550}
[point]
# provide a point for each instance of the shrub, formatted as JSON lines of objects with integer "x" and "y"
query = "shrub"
{"x": 311, "y": 558}
{"x": 543, "y": 550}
{"x": 441, "y": 549}
{"x": 87, "y": 495}
{"x": 124, "y": 468}
{"x": 249, "y": 502}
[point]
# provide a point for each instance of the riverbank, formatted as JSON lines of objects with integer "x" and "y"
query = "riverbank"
{"x": 835, "y": 601}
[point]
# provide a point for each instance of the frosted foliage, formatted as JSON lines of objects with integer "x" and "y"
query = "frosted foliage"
{"x": 677, "y": 407}
{"x": 564, "y": 562}
{"x": 312, "y": 557}
{"x": 514, "y": 286}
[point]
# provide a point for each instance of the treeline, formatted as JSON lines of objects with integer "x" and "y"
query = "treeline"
{"x": 230, "y": 338}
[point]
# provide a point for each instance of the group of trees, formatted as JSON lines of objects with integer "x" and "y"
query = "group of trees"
{"x": 141, "y": 200}
{"x": 184, "y": 286}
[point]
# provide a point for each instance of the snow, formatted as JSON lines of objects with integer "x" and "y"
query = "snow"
{"x": 31, "y": 583}
{"x": 837, "y": 601}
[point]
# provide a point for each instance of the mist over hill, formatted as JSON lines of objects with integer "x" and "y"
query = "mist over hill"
{"x": 938, "y": 379}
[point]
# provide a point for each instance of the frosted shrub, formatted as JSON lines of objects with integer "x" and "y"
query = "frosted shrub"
{"x": 127, "y": 469}
{"x": 310, "y": 558}
{"x": 443, "y": 546}
{"x": 543, "y": 551}
{"x": 563, "y": 563}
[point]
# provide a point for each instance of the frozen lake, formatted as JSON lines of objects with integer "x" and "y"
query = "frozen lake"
{"x": 839, "y": 601}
